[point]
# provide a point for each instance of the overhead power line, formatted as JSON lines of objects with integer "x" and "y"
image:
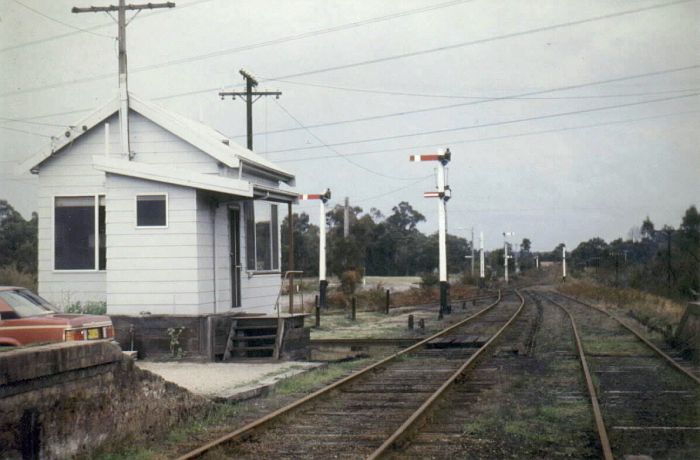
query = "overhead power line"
{"x": 237, "y": 49}
{"x": 447, "y": 47}
{"x": 485, "y": 100}
{"x": 484, "y": 40}
{"x": 370, "y": 61}
{"x": 491, "y": 124}
{"x": 493, "y": 138}
{"x": 53, "y": 38}
{"x": 24, "y": 131}
{"x": 16, "y": 120}
{"x": 65, "y": 24}
{"x": 511, "y": 96}
{"x": 354, "y": 163}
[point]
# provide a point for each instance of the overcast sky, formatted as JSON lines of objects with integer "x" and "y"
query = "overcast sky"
{"x": 566, "y": 119}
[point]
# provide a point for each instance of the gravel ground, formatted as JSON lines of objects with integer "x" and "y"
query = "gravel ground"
{"x": 225, "y": 380}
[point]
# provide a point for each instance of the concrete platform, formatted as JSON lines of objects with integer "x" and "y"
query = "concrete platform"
{"x": 230, "y": 381}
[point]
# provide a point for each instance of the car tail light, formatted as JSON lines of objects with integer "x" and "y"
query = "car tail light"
{"x": 74, "y": 334}
{"x": 109, "y": 331}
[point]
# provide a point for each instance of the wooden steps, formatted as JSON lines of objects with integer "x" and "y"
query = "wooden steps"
{"x": 252, "y": 338}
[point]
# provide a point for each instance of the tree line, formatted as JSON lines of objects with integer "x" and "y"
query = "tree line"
{"x": 664, "y": 261}
{"x": 376, "y": 245}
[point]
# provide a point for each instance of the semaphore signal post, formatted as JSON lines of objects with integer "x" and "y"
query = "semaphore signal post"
{"x": 322, "y": 282}
{"x": 443, "y": 193}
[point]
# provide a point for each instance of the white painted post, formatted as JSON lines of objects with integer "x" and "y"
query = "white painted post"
{"x": 442, "y": 225}
{"x": 563, "y": 263}
{"x": 322, "y": 242}
{"x": 443, "y": 193}
{"x": 537, "y": 262}
{"x": 505, "y": 258}
{"x": 323, "y": 284}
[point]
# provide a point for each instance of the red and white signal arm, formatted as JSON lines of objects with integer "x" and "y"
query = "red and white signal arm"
{"x": 441, "y": 157}
{"x": 325, "y": 196}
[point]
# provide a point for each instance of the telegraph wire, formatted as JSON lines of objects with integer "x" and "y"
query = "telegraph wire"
{"x": 390, "y": 192}
{"x": 530, "y": 93}
{"x": 276, "y": 41}
{"x": 65, "y": 24}
{"x": 16, "y": 120}
{"x": 382, "y": 59}
{"x": 484, "y": 125}
{"x": 492, "y": 138}
{"x": 25, "y": 131}
{"x": 484, "y": 98}
{"x": 358, "y": 165}
{"x": 89, "y": 29}
{"x": 484, "y": 40}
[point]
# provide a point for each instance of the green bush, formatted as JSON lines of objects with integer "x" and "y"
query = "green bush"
{"x": 429, "y": 280}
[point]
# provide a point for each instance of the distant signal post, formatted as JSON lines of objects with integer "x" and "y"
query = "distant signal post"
{"x": 563, "y": 264}
{"x": 505, "y": 254}
{"x": 482, "y": 269}
{"x": 322, "y": 282}
{"x": 443, "y": 193}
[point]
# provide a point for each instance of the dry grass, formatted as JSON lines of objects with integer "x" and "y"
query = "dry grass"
{"x": 657, "y": 313}
{"x": 11, "y": 276}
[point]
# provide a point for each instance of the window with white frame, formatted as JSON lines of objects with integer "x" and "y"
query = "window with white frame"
{"x": 262, "y": 235}
{"x": 152, "y": 210}
{"x": 79, "y": 233}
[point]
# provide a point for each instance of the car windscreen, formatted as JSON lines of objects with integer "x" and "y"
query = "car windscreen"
{"x": 25, "y": 304}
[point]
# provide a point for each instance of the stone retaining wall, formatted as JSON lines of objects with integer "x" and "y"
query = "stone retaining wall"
{"x": 67, "y": 400}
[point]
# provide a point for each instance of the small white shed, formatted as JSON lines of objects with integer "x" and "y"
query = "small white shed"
{"x": 188, "y": 224}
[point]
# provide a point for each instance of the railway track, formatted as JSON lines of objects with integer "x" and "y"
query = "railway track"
{"x": 372, "y": 411}
{"x": 644, "y": 403}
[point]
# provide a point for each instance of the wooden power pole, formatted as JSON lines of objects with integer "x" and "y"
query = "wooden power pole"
{"x": 123, "y": 80}
{"x": 250, "y": 97}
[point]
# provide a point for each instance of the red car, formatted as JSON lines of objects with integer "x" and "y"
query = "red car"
{"x": 27, "y": 318}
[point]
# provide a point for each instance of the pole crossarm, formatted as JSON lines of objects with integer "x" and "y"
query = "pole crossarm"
{"x": 249, "y": 96}
{"x": 103, "y": 9}
{"x": 233, "y": 94}
{"x": 121, "y": 10}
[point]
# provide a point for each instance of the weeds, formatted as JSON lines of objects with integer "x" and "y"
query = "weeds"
{"x": 657, "y": 313}
{"x": 12, "y": 276}
{"x": 310, "y": 380}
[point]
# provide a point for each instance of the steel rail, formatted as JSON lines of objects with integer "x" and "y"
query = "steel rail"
{"x": 250, "y": 427}
{"x": 646, "y": 341}
{"x": 408, "y": 424}
{"x": 597, "y": 414}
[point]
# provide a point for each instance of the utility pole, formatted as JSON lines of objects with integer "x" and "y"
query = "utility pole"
{"x": 443, "y": 193}
{"x": 250, "y": 97}
{"x": 668, "y": 232}
{"x": 516, "y": 254}
{"x": 323, "y": 284}
{"x": 123, "y": 80}
{"x": 346, "y": 218}
{"x": 482, "y": 269}
{"x": 537, "y": 262}
{"x": 505, "y": 253}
